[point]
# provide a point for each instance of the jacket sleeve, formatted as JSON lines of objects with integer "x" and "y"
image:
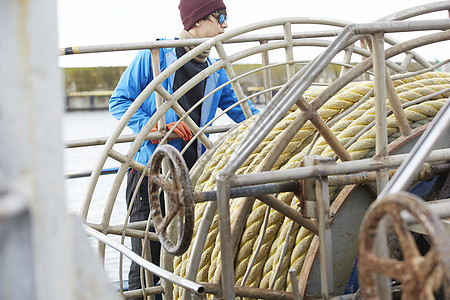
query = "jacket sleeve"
{"x": 134, "y": 79}
{"x": 228, "y": 98}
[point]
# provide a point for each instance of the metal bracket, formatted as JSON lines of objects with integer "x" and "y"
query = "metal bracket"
{"x": 318, "y": 205}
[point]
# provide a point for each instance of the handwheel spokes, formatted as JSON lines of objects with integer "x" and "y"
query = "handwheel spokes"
{"x": 430, "y": 261}
{"x": 173, "y": 212}
{"x": 178, "y": 190}
{"x": 419, "y": 275}
{"x": 405, "y": 238}
{"x": 162, "y": 182}
{"x": 391, "y": 267}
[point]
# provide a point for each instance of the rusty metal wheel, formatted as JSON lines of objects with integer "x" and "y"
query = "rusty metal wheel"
{"x": 181, "y": 201}
{"x": 419, "y": 274}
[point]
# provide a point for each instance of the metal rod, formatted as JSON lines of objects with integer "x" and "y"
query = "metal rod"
{"x": 259, "y": 242}
{"x": 285, "y": 138}
{"x": 138, "y": 293}
{"x": 82, "y": 174}
{"x": 427, "y": 173}
{"x": 199, "y": 244}
{"x": 226, "y": 247}
{"x": 441, "y": 208}
{"x": 401, "y": 26}
{"x": 158, "y": 99}
{"x": 420, "y": 152}
{"x": 267, "y": 80}
{"x": 364, "y": 44}
{"x": 73, "y": 50}
{"x": 235, "y": 84}
{"x": 250, "y": 292}
{"x": 325, "y": 247}
{"x": 127, "y": 138}
{"x": 290, "y": 67}
{"x": 381, "y": 150}
{"x": 294, "y": 283}
{"x": 320, "y": 193}
{"x": 166, "y": 259}
{"x": 289, "y": 212}
{"x": 253, "y": 190}
{"x": 228, "y": 37}
{"x": 134, "y": 229}
{"x": 406, "y": 61}
{"x": 287, "y": 238}
{"x": 396, "y": 107}
{"x": 187, "y": 284}
{"x": 381, "y": 141}
{"x": 333, "y": 169}
{"x": 330, "y": 137}
{"x": 347, "y": 59}
{"x": 124, "y": 159}
{"x": 417, "y": 10}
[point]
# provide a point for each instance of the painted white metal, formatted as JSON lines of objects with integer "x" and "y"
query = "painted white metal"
{"x": 44, "y": 253}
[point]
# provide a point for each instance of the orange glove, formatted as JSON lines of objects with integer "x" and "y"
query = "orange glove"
{"x": 182, "y": 130}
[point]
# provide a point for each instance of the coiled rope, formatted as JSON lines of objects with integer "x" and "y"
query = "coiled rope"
{"x": 265, "y": 255}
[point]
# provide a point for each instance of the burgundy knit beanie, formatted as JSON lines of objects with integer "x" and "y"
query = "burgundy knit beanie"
{"x": 192, "y": 11}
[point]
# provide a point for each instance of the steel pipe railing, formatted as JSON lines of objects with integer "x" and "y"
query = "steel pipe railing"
{"x": 128, "y": 138}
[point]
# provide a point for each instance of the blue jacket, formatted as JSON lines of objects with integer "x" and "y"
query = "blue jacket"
{"x": 139, "y": 74}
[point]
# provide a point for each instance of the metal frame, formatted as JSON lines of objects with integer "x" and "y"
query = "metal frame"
{"x": 290, "y": 94}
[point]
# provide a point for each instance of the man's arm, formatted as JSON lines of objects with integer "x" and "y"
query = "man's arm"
{"x": 228, "y": 98}
{"x": 134, "y": 79}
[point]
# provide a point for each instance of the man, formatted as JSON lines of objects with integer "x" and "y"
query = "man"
{"x": 201, "y": 19}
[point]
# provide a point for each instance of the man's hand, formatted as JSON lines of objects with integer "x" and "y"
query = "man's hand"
{"x": 182, "y": 130}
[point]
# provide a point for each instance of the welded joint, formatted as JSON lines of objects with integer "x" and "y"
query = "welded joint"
{"x": 127, "y": 160}
{"x": 309, "y": 196}
{"x": 320, "y": 184}
{"x": 305, "y": 106}
{"x": 379, "y": 159}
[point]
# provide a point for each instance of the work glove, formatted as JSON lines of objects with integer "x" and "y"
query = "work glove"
{"x": 182, "y": 130}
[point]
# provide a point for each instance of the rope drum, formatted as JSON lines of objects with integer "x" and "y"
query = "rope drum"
{"x": 270, "y": 243}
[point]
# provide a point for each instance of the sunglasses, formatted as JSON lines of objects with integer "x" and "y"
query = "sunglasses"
{"x": 221, "y": 17}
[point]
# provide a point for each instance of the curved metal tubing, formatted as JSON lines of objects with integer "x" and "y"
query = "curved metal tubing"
{"x": 417, "y": 11}
{"x": 120, "y": 127}
{"x": 194, "y": 287}
{"x": 224, "y": 179}
{"x": 228, "y": 37}
{"x": 152, "y": 86}
{"x": 268, "y": 118}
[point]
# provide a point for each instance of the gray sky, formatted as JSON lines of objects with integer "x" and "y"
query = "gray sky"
{"x": 87, "y": 22}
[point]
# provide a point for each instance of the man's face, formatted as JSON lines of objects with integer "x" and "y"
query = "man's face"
{"x": 210, "y": 27}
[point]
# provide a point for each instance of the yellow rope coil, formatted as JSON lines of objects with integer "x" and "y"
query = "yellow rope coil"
{"x": 283, "y": 241}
